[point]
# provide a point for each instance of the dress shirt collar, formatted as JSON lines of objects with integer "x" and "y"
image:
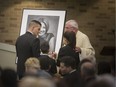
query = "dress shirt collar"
{"x": 30, "y": 32}
{"x": 44, "y": 53}
{"x": 72, "y": 71}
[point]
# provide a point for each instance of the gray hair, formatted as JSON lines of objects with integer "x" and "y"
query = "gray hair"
{"x": 73, "y": 23}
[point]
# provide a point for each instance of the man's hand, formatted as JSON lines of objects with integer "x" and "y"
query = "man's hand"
{"x": 78, "y": 49}
{"x": 52, "y": 55}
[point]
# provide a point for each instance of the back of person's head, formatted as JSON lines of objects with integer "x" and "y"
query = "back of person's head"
{"x": 68, "y": 61}
{"x": 32, "y": 64}
{"x": 44, "y": 47}
{"x": 45, "y": 63}
{"x": 71, "y": 37}
{"x": 88, "y": 69}
{"x": 83, "y": 61}
{"x": 72, "y": 23}
{"x": 28, "y": 81}
{"x": 34, "y": 23}
{"x": 90, "y": 57}
{"x": 104, "y": 68}
{"x": 9, "y": 78}
{"x": 36, "y": 82}
{"x": 34, "y": 27}
{"x": 43, "y": 82}
{"x": 103, "y": 81}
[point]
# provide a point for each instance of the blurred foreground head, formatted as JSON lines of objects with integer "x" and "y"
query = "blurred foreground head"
{"x": 32, "y": 65}
{"x": 30, "y": 81}
{"x": 103, "y": 81}
{"x": 8, "y": 78}
{"x": 71, "y": 25}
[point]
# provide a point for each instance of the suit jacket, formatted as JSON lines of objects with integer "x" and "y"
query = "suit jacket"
{"x": 72, "y": 79}
{"x": 53, "y": 68}
{"x": 27, "y": 46}
{"x": 67, "y": 51}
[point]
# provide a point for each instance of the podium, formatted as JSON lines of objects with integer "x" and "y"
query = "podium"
{"x": 108, "y": 51}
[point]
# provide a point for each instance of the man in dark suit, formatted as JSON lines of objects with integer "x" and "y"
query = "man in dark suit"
{"x": 68, "y": 70}
{"x": 28, "y": 45}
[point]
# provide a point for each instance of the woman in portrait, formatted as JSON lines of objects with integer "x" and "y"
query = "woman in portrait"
{"x": 45, "y": 36}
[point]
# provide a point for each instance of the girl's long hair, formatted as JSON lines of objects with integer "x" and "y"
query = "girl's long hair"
{"x": 71, "y": 37}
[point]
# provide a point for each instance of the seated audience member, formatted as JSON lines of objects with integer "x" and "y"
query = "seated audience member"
{"x": 9, "y": 78}
{"x": 87, "y": 71}
{"x": 83, "y": 45}
{"x": 103, "y": 81}
{"x": 32, "y": 67}
{"x": 69, "y": 48}
{"x": 84, "y": 61}
{"x": 30, "y": 81}
{"x": 45, "y": 64}
{"x": 44, "y": 57}
{"x": 43, "y": 82}
{"x": 68, "y": 70}
{"x": 104, "y": 68}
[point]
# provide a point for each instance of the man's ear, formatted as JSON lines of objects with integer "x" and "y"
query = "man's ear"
{"x": 32, "y": 28}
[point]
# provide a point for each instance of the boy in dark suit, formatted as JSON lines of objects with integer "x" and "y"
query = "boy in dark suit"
{"x": 45, "y": 59}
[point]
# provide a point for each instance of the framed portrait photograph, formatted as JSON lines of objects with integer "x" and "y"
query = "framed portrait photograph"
{"x": 52, "y": 22}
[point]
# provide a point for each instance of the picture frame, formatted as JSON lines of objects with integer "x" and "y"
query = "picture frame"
{"x": 55, "y": 20}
